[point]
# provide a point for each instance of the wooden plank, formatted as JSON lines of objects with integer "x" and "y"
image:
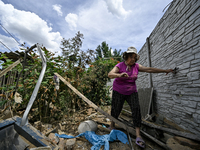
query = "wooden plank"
{"x": 10, "y": 67}
{"x": 131, "y": 129}
{"x": 179, "y": 133}
{"x": 183, "y": 134}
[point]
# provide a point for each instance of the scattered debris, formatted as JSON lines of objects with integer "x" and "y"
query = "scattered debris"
{"x": 18, "y": 98}
{"x": 69, "y": 126}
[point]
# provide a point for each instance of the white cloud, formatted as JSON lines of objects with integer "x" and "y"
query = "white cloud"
{"x": 96, "y": 19}
{"x": 72, "y": 19}
{"x": 116, "y": 8}
{"x": 57, "y": 8}
{"x": 98, "y": 23}
{"x": 29, "y": 27}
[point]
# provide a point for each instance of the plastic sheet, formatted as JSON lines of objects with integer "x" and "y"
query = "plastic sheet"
{"x": 99, "y": 140}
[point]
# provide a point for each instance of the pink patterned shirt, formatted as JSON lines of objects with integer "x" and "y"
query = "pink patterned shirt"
{"x": 126, "y": 85}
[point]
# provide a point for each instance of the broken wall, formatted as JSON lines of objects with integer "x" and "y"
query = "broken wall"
{"x": 175, "y": 42}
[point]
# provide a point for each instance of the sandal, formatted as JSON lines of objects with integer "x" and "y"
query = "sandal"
{"x": 139, "y": 141}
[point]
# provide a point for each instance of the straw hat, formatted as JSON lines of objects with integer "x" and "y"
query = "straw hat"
{"x": 132, "y": 49}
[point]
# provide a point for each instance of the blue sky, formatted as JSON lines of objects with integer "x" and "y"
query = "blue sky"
{"x": 121, "y": 23}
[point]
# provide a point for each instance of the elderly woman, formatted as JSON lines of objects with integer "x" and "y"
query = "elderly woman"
{"x": 124, "y": 88}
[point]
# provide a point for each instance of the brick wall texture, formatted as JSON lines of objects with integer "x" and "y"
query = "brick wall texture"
{"x": 175, "y": 42}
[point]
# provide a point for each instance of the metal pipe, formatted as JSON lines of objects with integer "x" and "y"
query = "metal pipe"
{"x": 34, "y": 94}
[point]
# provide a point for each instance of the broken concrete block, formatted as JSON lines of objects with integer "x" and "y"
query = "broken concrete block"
{"x": 61, "y": 144}
{"x": 70, "y": 143}
{"x": 66, "y": 144}
{"x": 53, "y": 138}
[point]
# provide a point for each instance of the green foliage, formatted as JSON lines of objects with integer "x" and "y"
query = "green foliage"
{"x": 28, "y": 80}
{"x": 117, "y": 53}
{"x": 46, "y": 93}
{"x": 71, "y": 51}
{"x": 96, "y": 78}
{"x": 7, "y": 89}
{"x": 7, "y": 63}
{"x": 76, "y": 62}
{"x": 104, "y": 51}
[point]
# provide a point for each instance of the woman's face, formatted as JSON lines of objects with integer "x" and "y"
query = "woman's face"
{"x": 131, "y": 59}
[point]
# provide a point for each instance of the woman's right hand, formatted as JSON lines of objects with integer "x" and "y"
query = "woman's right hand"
{"x": 123, "y": 74}
{"x": 114, "y": 73}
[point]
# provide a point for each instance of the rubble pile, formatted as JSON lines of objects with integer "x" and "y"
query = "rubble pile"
{"x": 69, "y": 124}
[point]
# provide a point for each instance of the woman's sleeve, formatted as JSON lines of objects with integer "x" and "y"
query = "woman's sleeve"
{"x": 118, "y": 65}
{"x": 137, "y": 65}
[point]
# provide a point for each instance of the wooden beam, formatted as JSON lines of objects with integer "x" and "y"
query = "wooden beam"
{"x": 176, "y": 132}
{"x": 131, "y": 129}
{"x": 10, "y": 67}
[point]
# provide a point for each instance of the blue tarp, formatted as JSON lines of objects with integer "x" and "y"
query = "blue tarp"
{"x": 99, "y": 140}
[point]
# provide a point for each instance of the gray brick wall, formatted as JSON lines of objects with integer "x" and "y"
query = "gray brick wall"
{"x": 175, "y": 42}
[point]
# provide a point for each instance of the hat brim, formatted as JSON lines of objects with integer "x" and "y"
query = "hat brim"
{"x": 138, "y": 56}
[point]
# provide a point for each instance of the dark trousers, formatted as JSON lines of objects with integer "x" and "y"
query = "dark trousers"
{"x": 133, "y": 101}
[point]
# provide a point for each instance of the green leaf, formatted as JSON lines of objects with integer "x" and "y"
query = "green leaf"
{"x": 44, "y": 82}
{"x": 3, "y": 102}
{"x": 26, "y": 69}
{"x": 8, "y": 60}
{"x": 4, "y": 88}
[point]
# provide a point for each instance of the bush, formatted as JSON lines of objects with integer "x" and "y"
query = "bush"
{"x": 96, "y": 78}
